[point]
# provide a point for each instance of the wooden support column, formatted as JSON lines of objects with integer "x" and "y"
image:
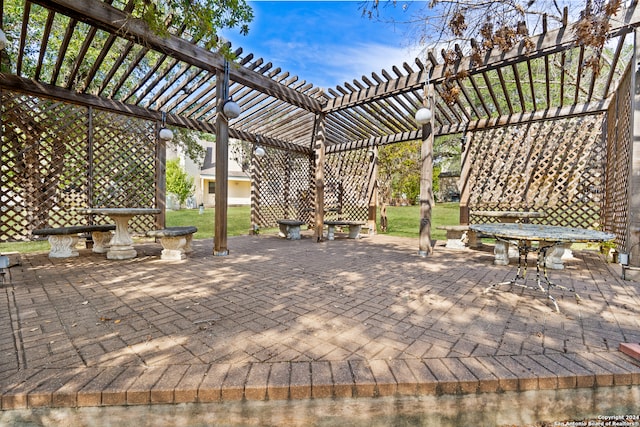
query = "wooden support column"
{"x": 373, "y": 189}
{"x": 426, "y": 182}
{"x": 222, "y": 170}
{"x": 161, "y": 180}
{"x": 465, "y": 191}
{"x": 90, "y": 168}
{"x": 320, "y": 141}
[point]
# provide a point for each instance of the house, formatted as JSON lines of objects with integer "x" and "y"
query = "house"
{"x": 204, "y": 178}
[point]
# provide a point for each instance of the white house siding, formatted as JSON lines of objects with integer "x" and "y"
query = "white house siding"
{"x": 239, "y": 191}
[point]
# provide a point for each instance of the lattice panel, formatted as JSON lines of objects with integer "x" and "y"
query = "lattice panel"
{"x": 554, "y": 166}
{"x": 282, "y": 188}
{"x": 619, "y": 143}
{"x": 49, "y": 168}
{"x": 124, "y": 165}
{"x": 42, "y": 156}
{"x": 346, "y": 181}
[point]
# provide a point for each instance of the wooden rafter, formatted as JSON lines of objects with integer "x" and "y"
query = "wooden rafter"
{"x": 146, "y": 73}
{"x": 118, "y": 22}
{"x": 43, "y": 43}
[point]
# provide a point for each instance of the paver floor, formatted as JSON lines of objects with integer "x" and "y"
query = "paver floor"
{"x": 285, "y": 320}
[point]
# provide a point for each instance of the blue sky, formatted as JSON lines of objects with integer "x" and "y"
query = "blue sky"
{"x": 326, "y": 42}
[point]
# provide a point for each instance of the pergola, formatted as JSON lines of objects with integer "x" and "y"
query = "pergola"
{"x": 81, "y": 115}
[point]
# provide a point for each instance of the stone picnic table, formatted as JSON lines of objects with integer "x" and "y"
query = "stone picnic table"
{"x": 121, "y": 246}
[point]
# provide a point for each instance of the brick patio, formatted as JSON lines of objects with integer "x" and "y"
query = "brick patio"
{"x": 283, "y": 320}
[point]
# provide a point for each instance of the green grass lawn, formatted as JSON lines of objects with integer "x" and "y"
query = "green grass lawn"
{"x": 403, "y": 221}
{"x": 238, "y": 221}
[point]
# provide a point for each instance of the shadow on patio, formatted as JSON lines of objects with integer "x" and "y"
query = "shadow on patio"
{"x": 305, "y": 334}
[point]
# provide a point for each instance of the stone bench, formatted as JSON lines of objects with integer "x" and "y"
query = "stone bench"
{"x": 354, "y": 228}
{"x": 460, "y": 236}
{"x": 63, "y": 240}
{"x": 175, "y": 241}
{"x": 289, "y": 228}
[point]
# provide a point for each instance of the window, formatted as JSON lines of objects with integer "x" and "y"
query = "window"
{"x": 212, "y": 187}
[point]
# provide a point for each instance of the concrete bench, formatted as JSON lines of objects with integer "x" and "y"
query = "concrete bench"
{"x": 460, "y": 236}
{"x": 354, "y": 228}
{"x": 175, "y": 241}
{"x": 290, "y": 228}
{"x": 63, "y": 240}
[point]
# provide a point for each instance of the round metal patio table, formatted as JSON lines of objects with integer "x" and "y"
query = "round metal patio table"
{"x": 548, "y": 237}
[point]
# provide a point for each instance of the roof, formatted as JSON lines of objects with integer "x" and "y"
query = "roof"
{"x": 109, "y": 61}
{"x": 209, "y": 167}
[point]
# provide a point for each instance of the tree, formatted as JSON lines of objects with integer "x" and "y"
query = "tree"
{"x": 188, "y": 142}
{"x": 496, "y": 23}
{"x": 399, "y": 171}
{"x": 201, "y": 19}
{"x": 399, "y": 166}
{"x": 471, "y": 28}
{"x": 178, "y": 182}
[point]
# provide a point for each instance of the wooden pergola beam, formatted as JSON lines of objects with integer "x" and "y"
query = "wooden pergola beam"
{"x": 117, "y": 22}
{"x": 547, "y": 43}
{"x": 31, "y": 87}
{"x": 506, "y": 120}
{"x": 269, "y": 141}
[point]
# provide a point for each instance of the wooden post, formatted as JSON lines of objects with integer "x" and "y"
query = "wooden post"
{"x": 319, "y": 181}
{"x": 465, "y": 191}
{"x": 161, "y": 180}
{"x": 90, "y": 168}
{"x": 222, "y": 170}
{"x": 426, "y": 182}
{"x": 373, "y": 190}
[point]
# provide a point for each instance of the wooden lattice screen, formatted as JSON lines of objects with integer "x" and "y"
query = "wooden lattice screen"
{"x": 282, "y": 188}
{"x": 619, "y": 143}
{"x": 58, "y": 157}
{"x": 346, "y": 185}
{"x": 555, "y": 166}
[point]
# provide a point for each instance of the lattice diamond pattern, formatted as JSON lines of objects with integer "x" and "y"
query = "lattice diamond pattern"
{"x": 124, "y": 159}
{"x": 554, "y": 166}
{"x": 282, "y": 181}
{"x": 619, "y": 146}
{"x": 346, "y": 183}
{"x": 48, "y": 167}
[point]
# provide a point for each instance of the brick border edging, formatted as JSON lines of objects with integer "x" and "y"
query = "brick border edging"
{"x": 136, "y": 385}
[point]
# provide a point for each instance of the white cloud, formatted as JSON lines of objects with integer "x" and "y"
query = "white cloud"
{"x": 330, "y": 65}
{"x": 354, "y": 62}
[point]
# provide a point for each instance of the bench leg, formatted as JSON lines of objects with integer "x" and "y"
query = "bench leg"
{"x": 187, "y": 246}
{"x": 331, "y": 232}
{"x": 472, "y": 239}
{"x": 173, "y": 248}
{"x": 455, "y": 239}
{"x": 101, "y": 241}
{"x": 63, "y": 246}
{"x": 553, "y": 260}
{"x": 291, "y": 232}
{"x": 354, "y": 231}
{"x": 501, "y": 252}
